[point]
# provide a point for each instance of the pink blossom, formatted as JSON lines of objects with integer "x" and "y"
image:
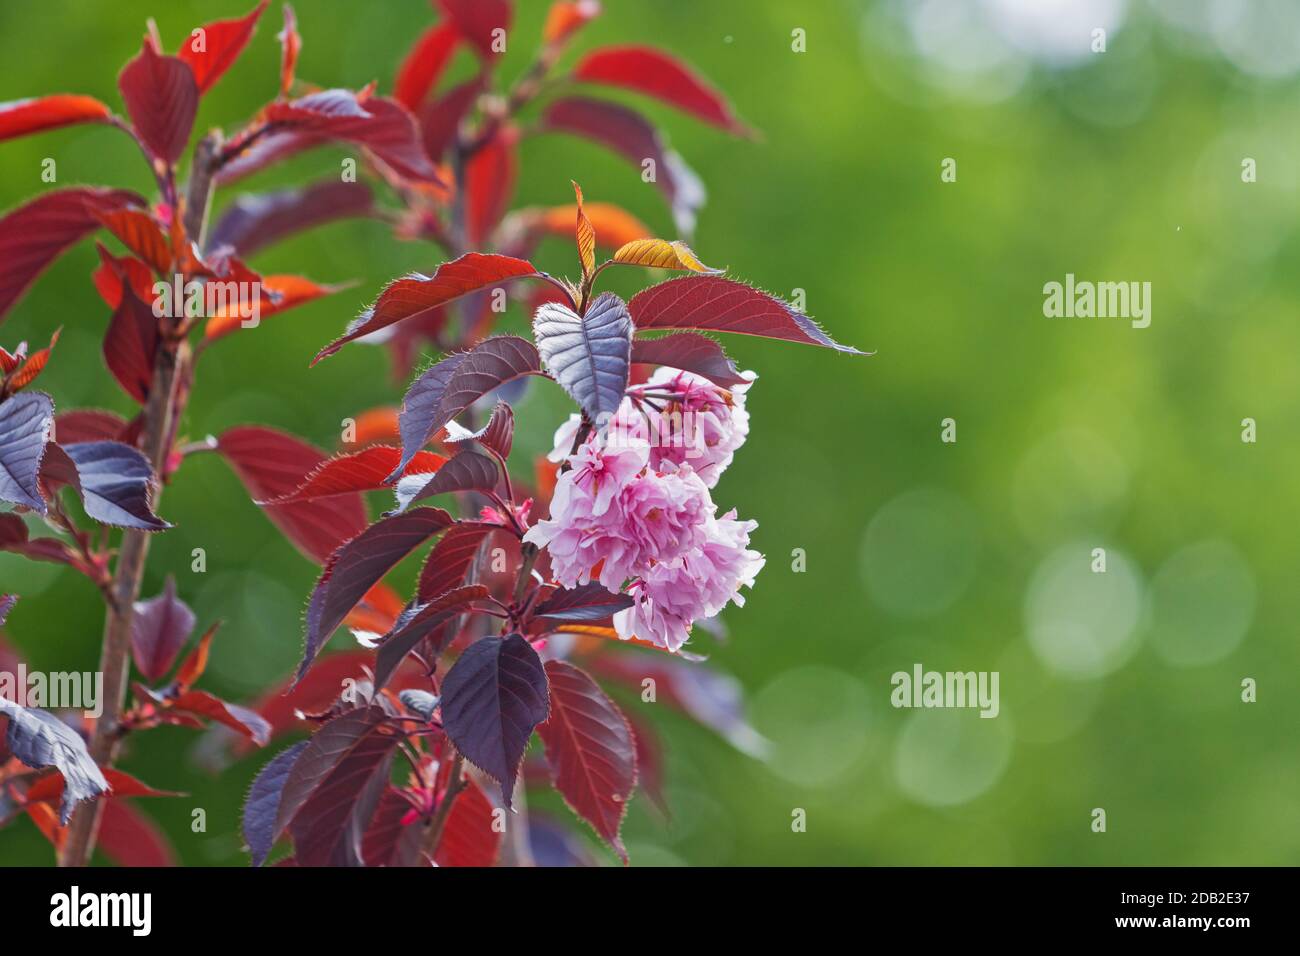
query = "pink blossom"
{"x": 612, "y": 520}
{"x": 703, "y": 428}
{"x": 672, "y": 595}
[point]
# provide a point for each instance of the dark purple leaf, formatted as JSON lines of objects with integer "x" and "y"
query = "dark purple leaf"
{"x": 587, "y": 602}
{"x": 383, "y": 126}
{"x": 329, "y": 746}
{"x": 589, "y": 355}
{"x": 161, "y": 97}
{"x": 33, "y": 236}
{"x": 689, "y": 352}
{"x": 7, "y": 602}
{"x": 416, "y": 622}
{"x": 591, "y": 750}
{"x": 492, "y": 698}
{"x": 628, "y": 133}
{"x": 358, "y": 565}
{"x": 255, "y": 221}
{"x": 496, "y": 436}
{"x": 159, "y": 629}
{"x": 468, "y": 471}
{"x": 715, "y": 304}
{"x": 40, "y": 740}
{"x": 330, "y": 827}
{"x": 456, "y": 383}
{"x": 115, "y": 480}
{"x": 25, "y": 423}
{"x": 262, "y": 805}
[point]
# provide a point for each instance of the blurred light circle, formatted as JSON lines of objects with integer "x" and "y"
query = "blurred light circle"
{"x": 1202, "y": 603}
{"x": 919, "y": 551}
{"x": 947, "y": 757}
{"x": 818, "y": 721}
{"x": 1259, "y": 36}
{"x": 1056, "y": 31}
{"x": 1072, "y": 481}
{"x": 1082, "y": 624}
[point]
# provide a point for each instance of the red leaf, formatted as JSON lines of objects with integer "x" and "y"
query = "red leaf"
{"x": 383, "y": 126}
{"x": 655, "y": 73}
{"x": 365, "y": 470}
{"x": 130, "y": 344}
{"x": 290, "y": 47}
{"x": 129, "y": 838}
{"x": 440, "y": 120}
{"x": 468, "y": 837}
{"x": 358, "y": 565}
{"x": 420, "y": 71}
{"x": 159, "y": 629}
{"x": 388, "y": 841}
{"x": 50, "y": 788}
{"x": 591, "y": 750}
{"x": 478, "y": 22}
{"x": 416, "y": 295}
{"x": 222, "y": 43}
{"x": 714, "y": 304}
{"x": 32, "y": 236}
{"x": 271, "y": 464}
{"x": 14, "y": 537}
{"x": 161, "y": 98}
{"x": 112, "y": 272}
{"x": 450, "y": 560}
{"x": 631, "y": 135}
{"x": 32, "y": 368}
{"x": 88, "y": 424}
{"x": 690, "y": 353}
{"x": 49, "y": 112}
{"x": 253, "y": 222}
{"x": 489, "y": 184}
{"x": 240, "y": 719}
{"x": 139, "y": 232}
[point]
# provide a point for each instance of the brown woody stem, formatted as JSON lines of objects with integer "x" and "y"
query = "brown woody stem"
{"x": 168, "y": 394}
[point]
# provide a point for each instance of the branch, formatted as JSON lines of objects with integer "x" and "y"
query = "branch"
{"x": 168, "y": 395}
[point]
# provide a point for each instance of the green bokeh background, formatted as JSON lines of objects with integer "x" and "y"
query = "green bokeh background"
{"x": 1072, "y": 434}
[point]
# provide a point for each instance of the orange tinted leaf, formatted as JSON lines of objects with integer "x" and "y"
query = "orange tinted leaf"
{"x": 290, "y": 46}
{"x": 197, "y": 662}
{"x": 614, "y": 225}
{"x": 142, "y": 235}
{"x": 279, "y": 293}
{"x": 33, "y": 366}
{"x": 47, "y": 821}
{"x": 48, "y": 112}
{"x": 423, "y": 66}
{"x": 586, "y": 236}
{"x": 566, "y": 18}
{"x": 661, "y": 254}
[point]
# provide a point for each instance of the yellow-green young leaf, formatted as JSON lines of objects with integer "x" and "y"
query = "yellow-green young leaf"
{"x": 661, "y": 254}
{"x": 586, "y": 236}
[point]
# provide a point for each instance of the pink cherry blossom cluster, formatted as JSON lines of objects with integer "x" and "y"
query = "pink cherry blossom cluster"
{"x": 634, "y": 511}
